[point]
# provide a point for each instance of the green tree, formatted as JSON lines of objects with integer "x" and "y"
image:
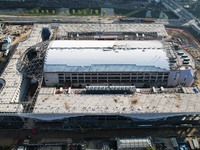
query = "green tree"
{"x": 79, "y": 12}
{"x": 96, "y": 12}
{"x": 42, "y": 11}
{"x": 84, "y": 12}
{"x": 91, "y": 12}
{"x": 67, "y": 12}
{"x": 104, "y": 12}
{"x": 53, "y": 12}
{"x": 73, "y": 11}
{"x": 37, "y": 11}
{"x": 32, "y": 11}
{"x": 47, "y": 11}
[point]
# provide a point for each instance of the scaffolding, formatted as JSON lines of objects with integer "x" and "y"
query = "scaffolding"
{"x": 133, "y": 30}
{"x": 31, "y": 65}
{"x": 12, "y": 92}
{"x": 110, "y": 89}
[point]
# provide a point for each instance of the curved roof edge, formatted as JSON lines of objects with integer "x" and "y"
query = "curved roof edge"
{"x": 142, "y": 116}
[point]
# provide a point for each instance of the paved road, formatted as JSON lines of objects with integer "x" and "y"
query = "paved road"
{"x": 58, "y": 19}
{"x": 183, "y": 14}
{"x": 178, "y": 10}
{"x": 82, "y": 19}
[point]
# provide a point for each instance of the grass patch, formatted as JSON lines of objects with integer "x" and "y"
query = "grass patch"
{"x": 130, "y": 12}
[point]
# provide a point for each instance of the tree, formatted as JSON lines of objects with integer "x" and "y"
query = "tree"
{"x": 96, "y": 12}
{"x": 73, "y": 11}
{"x": 47, "y": 11}
{"x": 104, "y": 12}
{"x": 79, "y": 12}
{"x": 37, "y": 11}
{"x": 53, "y": 12}
{"x": 67, "y": 12}
{"x": 42, "y": 11}
{"x": 84, "y": 12}
{"x": 91, "y": 11}
{"x": 32, "y": 11}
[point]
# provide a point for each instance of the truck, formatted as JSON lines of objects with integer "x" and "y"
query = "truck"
{"x": 5, "y": 47}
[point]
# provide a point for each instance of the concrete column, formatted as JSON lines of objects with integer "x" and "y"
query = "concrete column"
{"x": 71, "y": 77}
{"x": 156, "y": 77}
{"x": 163, "y": 77}
{"x": 91, "y": 77}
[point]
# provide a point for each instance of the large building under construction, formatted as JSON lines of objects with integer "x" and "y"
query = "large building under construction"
{"x": 37, "y": 84}
{"x": 116, "y": 54}
{"x": 141, "y": 63}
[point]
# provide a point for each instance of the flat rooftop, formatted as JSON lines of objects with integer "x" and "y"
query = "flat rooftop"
{"x": 85, "y": 53}
{"x": 10, "y": 93}
{"x": 49, "y": 102}
{"x": 120, "y": 27}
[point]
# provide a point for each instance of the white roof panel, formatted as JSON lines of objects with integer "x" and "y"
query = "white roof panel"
{"x": 73, "y": 53}
{"x": 80, "y": 44}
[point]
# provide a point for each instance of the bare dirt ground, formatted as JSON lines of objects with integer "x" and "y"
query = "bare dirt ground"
{"x": 185, "y": 35}
{"x": 190, "y": 39}
{"x": 16, "y": 32}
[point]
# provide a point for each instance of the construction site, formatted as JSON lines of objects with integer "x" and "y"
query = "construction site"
{"x": 25, "y": 88}
{"x": 100, "y": 74}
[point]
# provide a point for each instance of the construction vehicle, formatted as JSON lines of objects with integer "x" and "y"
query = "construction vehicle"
{"x": 5, "y": 46}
